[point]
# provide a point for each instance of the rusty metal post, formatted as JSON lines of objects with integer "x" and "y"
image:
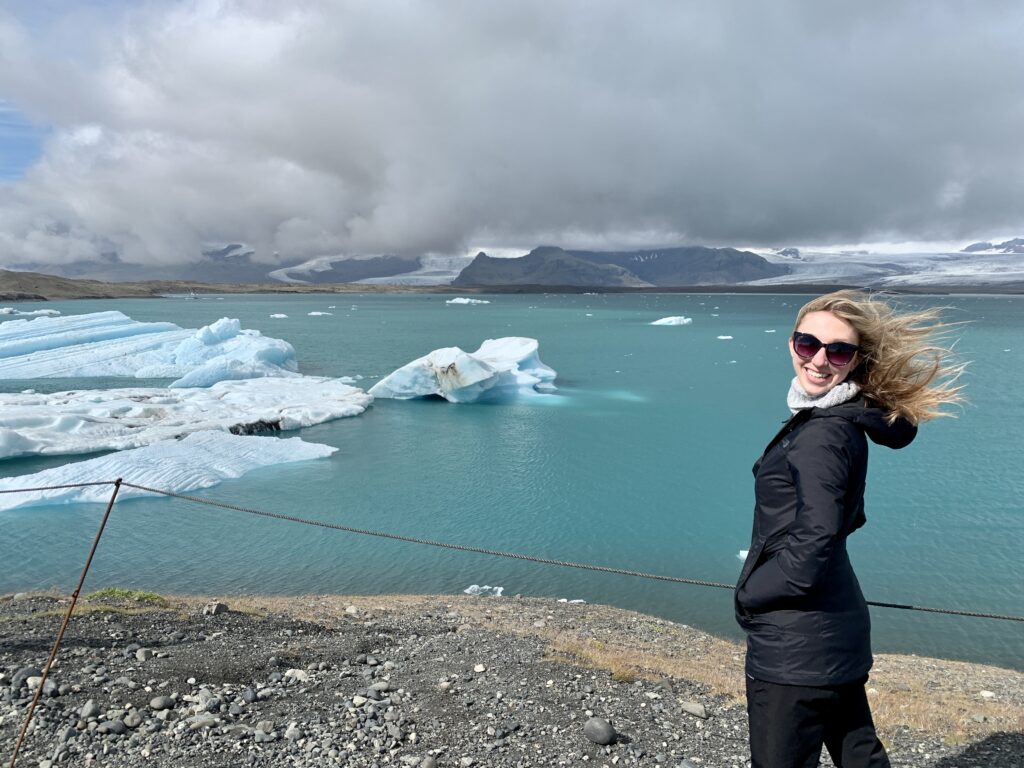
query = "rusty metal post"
{"x": 64, "y": 624}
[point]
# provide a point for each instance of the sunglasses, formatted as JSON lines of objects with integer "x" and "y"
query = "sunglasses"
{"x": 838, "y": 353}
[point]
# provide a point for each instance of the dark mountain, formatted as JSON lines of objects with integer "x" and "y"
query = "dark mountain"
{"x": 691, "y": 265}
{"x": 546, "y": 266}
{"x": 1008, "y": 246}
{"x": 351, "y": 270}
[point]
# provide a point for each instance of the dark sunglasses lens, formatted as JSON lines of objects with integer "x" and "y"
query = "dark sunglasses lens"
{"x": 840, "y": 355}
{"x": 805, "y": 345}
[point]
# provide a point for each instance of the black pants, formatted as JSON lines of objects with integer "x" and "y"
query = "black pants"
{"x": 789, "y": 723}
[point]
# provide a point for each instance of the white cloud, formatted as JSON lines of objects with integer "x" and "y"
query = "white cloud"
{"x": 350, "y": 127}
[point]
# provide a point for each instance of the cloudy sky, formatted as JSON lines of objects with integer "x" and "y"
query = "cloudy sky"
{"x": 311, "y": 128}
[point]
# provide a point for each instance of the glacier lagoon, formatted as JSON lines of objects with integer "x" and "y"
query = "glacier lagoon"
{"x": 641, "y": 459}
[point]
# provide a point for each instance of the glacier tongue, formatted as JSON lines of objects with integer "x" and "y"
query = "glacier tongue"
{"x": 112, "y": 344}
{"x": 500, "y": 369}
{"x": 201, "y": 460}
{"x": 116, "y": 419}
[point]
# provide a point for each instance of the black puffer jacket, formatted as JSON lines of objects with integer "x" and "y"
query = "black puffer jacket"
{"x": 797, "y": 597}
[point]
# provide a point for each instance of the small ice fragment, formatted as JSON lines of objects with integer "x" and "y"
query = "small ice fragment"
{"x": 723, "y": 338}
{"x": 484, "y": 591}
{"x": 743, "y": 554}
{"x": 318, "y": 314}
{"x": 463, "y": 300}
{"x": 279, "y": 315}
{"x": 332, "y": 307}
{"x": 675, "y": 320}
{"x": 769, "y": 330}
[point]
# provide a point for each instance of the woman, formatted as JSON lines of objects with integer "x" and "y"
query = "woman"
{"x": 863, "y": 371}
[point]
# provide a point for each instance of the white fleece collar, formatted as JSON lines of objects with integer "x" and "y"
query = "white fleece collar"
{"x": 798, "y": 399}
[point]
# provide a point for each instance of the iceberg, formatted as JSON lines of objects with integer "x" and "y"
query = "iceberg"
{"x": 462, "y": 300}
{"x": 200, "y": 460}
{"x": 33, "y": 313}
{"x": 112, "y": 344}
{"x": 500, "y": 369}
{"x": 723, "y": 338}
{"x": 118, "y": 419}
{"x": 680, "y": 320}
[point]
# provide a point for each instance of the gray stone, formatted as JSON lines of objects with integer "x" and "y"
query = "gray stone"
{"x": 133, "y": 720}
{"x": 21, "y": 677}
{"x": 158, "y": 703}
{"x": 50, "y": 688}
{"x": 428, "y": 762}
{"x": 599, "y": 731}
{"x": 293, "y": 732}
{"x": 112, "y": 726}
{"x": 19, "y": 596}
{"x": 143, "y": 654}
{"x": 89, "y": 710}
{"x": 249, "y": 696}
{"x": 214, "y": 609}
{"x": 694, "y": 708}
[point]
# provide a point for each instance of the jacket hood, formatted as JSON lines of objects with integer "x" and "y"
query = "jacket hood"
{"x": 872, "y": 420}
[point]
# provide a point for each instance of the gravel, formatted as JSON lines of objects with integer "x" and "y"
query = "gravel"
{"x": 221, "y": 687}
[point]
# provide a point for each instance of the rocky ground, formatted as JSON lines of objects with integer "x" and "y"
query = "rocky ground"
{"x": 426, "y": 681}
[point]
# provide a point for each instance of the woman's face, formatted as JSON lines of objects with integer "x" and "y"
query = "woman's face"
{"x": 817, "y": 375}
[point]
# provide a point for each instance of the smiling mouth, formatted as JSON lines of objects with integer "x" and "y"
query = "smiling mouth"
{"x": 815, "y": 376}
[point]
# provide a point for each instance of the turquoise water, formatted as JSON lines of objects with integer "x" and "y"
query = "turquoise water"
{"x": 641, "y": 461}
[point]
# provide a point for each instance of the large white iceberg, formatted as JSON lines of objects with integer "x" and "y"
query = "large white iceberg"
{"x": 500, "y": 369}
{"x": 201, "y": 460}
{"x": 677, "y": 320}
{"x": 116, "y": 419}
{"x": 112, "y": 344}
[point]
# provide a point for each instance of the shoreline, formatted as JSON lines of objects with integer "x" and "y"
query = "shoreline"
{"x": 551, "y": 663}
{"x": 31, "y": 286}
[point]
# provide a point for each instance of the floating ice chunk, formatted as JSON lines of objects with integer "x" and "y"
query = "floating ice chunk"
{"x": 278, "y": 315}
{"x": 484, "y": 591}
{"x": 500, "y": 369}
{"x": 743, "y": 554}
{"x": 32, "y": 313}
{"x": 678, "y": 320}
{"x": 769, "y": 330}
{"x": 723, "y": 337}
{"x": 201, "y": 460}
{"x": 112, "y": 344}
{"x": 117, "y": 419}
{"x": 463, "y": 300}
{"x": 318, "y": 314}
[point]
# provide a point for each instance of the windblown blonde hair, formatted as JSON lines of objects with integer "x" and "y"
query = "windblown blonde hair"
{"x": 904, "y": 365}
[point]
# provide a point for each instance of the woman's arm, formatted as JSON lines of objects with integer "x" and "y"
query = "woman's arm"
{"x": 820, "y": 464}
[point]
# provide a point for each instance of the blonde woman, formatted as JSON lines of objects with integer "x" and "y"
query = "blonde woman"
{"x": 863, "y": 371}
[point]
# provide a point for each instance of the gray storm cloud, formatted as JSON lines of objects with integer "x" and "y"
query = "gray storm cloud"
{"x": 361, "y": 128}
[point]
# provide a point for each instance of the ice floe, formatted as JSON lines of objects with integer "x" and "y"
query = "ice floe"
{"x": 201, "y": 460}
{"x": 463, "y": 300}
{"x": 723, "y": 338}
{"x": 501, "y": 369}
{"x": 318, "y": 314}
{"x": 742, "y": 555}
{"x": 112, "y": 344}
{"x": 11, "y": 311}
{"x": 279, "y": 315}
{"x": 117, "y": 419}
{"x": 484, "y": 591}
{"x": 679, "y": 320}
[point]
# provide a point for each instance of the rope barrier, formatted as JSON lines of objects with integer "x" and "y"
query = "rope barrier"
{"x": 529, "y": 558}
{"x": 495, "y": 552}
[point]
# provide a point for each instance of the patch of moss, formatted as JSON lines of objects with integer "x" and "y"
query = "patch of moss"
{"x": 121, "y": 595}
